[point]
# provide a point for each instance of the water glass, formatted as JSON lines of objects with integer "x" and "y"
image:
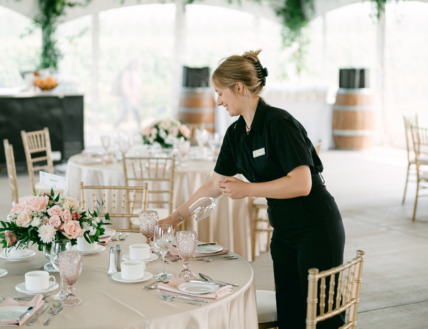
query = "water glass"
{"x": 56, "y": 248}
{"x": 187, "y": 242}
{"x": 202, "y": 137}
{"x": 105, "y": 142}
{"x": 148, "y": 221}
{"x": 163, "y": 240}
{"x": 124, "y": 146}
{"x": 183, "y": 147}
{"x": 70, "y": 267}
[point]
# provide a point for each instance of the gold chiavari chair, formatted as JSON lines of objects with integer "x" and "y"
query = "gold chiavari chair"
{"x": 11, "y": 171}
{"x": 156, "y": 171}
{"x": 345, "y": 296}
{"x": 420, "y": 147}
{"x": 260, "y": 204}
{"x": 122, "y": 195}
{"x": 37, "y": 142}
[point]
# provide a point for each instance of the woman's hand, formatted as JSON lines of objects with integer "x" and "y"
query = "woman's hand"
{"x": 234, "y": 188}
{"x": 171, "y": 220}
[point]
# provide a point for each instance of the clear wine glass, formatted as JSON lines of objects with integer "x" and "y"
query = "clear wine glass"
{"x": 214, "y": 142}
{"x": 202, "y": 137}
{"x": 187, "y": 242}
{"x": 163, "y": 240}
{"x": 70, "y": 267}
{"x": 105, "y": 142}
{"x": 56, "y": 248}
{"x": 203, "y": 207}
{"x": 148, "y": 221}
{"x": 183, "y": 147}
{"x": 124, "y": 146}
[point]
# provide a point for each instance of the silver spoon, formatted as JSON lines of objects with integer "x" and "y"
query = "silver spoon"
{"x": 210, "y": 260}
{"x": 183, "y": 297}
{"x": 26, "y": 312}
{"x": 54, "y": 310}
{"x": 159, "y": 279}
{"x": 116, "y": 237}
{"x": 122, "y": 238}
{"x": 209, "y": 279}
{"x": 169, "y": 298}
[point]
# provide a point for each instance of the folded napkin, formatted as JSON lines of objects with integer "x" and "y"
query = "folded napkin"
{"x": 174, "y": 253}
{"x": 37, "y": 302}
{"x": 104, "y": 239}
{"x": 174, "y": 283}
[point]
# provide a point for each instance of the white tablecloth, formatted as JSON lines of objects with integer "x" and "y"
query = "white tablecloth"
{"x": 107, "y": 304}
{"x": 229, "y": 225}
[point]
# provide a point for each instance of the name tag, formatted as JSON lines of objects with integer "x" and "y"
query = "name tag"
{"x": 259, "y": 152}
{"x": 53, "y": 180}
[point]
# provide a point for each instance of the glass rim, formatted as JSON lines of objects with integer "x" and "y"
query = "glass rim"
{"x": 148, "y": 212}
{"x": 186, "y": 233}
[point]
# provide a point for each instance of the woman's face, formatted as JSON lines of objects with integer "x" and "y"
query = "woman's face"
{"x": 228, "y": 99}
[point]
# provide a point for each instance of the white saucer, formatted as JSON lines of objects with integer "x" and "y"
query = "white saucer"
{"x": 208, "y": 249}
{"x": 8, "y": 313}
{"x": 86, "y": 253}
{"x": 29, "y": 253}
{"x": 152, "y": 258}
{"x": 3, "y": 272}
{"x": 118, "y": 277}
{"x": 21, "y": 288}
{"x": 197, "y": 288}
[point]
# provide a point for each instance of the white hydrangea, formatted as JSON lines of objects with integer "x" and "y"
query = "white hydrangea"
{"x": 170, "y": 140}
{"x": 154, "y": 132}
{"x": 92, "y": 230}
{"x": 97, "y": 219}
{"x": 47, "y": 233}
{"x": 164, "y": 124}
{"x": 10, "y": 218}
{"x": 162, "y": 133}
{"x": 36, "y": 222}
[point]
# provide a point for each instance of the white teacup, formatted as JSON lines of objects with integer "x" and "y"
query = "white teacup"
{"x": 83, "y": 245}
{"x": 139, "y": 251}
{"x": 132, "y": 269}
{"x": 38, "y": 280}
{"x": 13, "y": 252}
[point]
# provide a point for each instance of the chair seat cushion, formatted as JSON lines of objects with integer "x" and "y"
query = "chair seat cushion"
{"x": 266, "y": 306}
{"x": 163, "y": 213}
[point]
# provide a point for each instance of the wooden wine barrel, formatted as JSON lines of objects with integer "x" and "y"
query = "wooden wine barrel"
{"x": 354, "y": 119}
{"x": 197, "y": 107}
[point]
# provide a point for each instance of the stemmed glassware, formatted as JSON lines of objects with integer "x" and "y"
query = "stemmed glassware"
{"x": 202, "y": 137}
{"x": 183, "y": 147}
{"x": 56, "y": 248}
{"x": 163, "y": 241}
{"x": 203, "y": 207}
{"x": 148, "y": 221}
{"x": 70, "y": 267}
{"x": 124, "y": 146}
{"x": 214, "y": 143}
{"x": 105, "y": 142}
{"x": 187, "y": 242}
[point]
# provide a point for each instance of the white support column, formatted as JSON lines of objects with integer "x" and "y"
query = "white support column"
{"x": 324, "y": 47}
{"x": 381, "y": 135}
{"x": 95, "y": 73}
{"x": 179, "y": 52}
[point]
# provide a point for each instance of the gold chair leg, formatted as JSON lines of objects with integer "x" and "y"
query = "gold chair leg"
{"x": 253, "y": 245}
{"x": 405, "y": 186}
{"x": 416, "y": 201}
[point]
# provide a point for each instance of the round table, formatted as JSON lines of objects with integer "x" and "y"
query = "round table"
{"x": 107, "y": 304}
{"x": 229, "y": 225}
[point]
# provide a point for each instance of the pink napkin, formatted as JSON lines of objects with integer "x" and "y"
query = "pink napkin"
{"x": 174, "y": 283}
{"x": 104, "y": 239}
{"x": 174, "y": 253}
{"x": 37, "y": 302}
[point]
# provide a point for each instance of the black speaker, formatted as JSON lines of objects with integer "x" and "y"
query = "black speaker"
{"x": 354, "y": 78}
{"x": 196, "y": 77}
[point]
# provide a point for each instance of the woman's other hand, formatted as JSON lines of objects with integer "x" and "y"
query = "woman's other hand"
{"x": 234, "y": 188}
{"x": 172, "y": 220}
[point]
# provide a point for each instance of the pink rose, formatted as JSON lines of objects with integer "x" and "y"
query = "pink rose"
{"x": 66, "y": 215}
{"x": 55, "y": 211}
{"x": 76, "y": 215}
{"x": 19, "y": 206}
{"x": 72, "y": 229}
{"x": 147, "y": 130}
{"x": 185, "y": 131}
{"x": 24, "y": 219}
{"x": 10, "y": 238}
{"x": 55, "y": 221}
{"x": 38, "y": 203}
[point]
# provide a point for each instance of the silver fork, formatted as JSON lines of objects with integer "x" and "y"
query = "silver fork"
{"x": 122, "y": 238}
{"x": 116, "y": 237}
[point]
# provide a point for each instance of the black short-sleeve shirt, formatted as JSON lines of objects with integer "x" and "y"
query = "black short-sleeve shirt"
{"x": 277, "y": 143}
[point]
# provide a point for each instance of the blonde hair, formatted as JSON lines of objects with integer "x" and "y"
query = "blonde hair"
{"x": 242, "y": 69}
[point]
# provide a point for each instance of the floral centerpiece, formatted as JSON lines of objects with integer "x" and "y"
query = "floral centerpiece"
{"x": 46, "y": 218}
{"x": 165, "y": 132}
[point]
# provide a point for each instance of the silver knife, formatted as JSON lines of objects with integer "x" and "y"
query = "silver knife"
{"x": 22, "y": 315}
{"x": 208, "y": 282}
{"x": 207, "y": 244}
{"x": 38, "y": 314}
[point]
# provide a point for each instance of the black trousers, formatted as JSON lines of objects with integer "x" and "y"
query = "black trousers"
{"x": 318, "y": 243}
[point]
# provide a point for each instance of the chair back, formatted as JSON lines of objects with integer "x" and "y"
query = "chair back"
{"x": 420, "y": 143}
{"x": 317, "y": 146}
{"x": 115, "y": 198}
{"x": 346, "y": 296}
{"x": 37, "y": 147}
{"x": 408, "y": 122}
{"x": 11, "y": 171}
{"x": 139, "y": 170}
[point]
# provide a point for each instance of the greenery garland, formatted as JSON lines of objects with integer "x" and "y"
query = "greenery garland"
{"x": 292, "y": 12}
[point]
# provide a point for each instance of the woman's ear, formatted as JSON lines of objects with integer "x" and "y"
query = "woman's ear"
{"x": 240, "y": 88}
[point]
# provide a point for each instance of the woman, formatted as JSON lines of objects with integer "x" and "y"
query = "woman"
{"x": 271, "y": 149}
